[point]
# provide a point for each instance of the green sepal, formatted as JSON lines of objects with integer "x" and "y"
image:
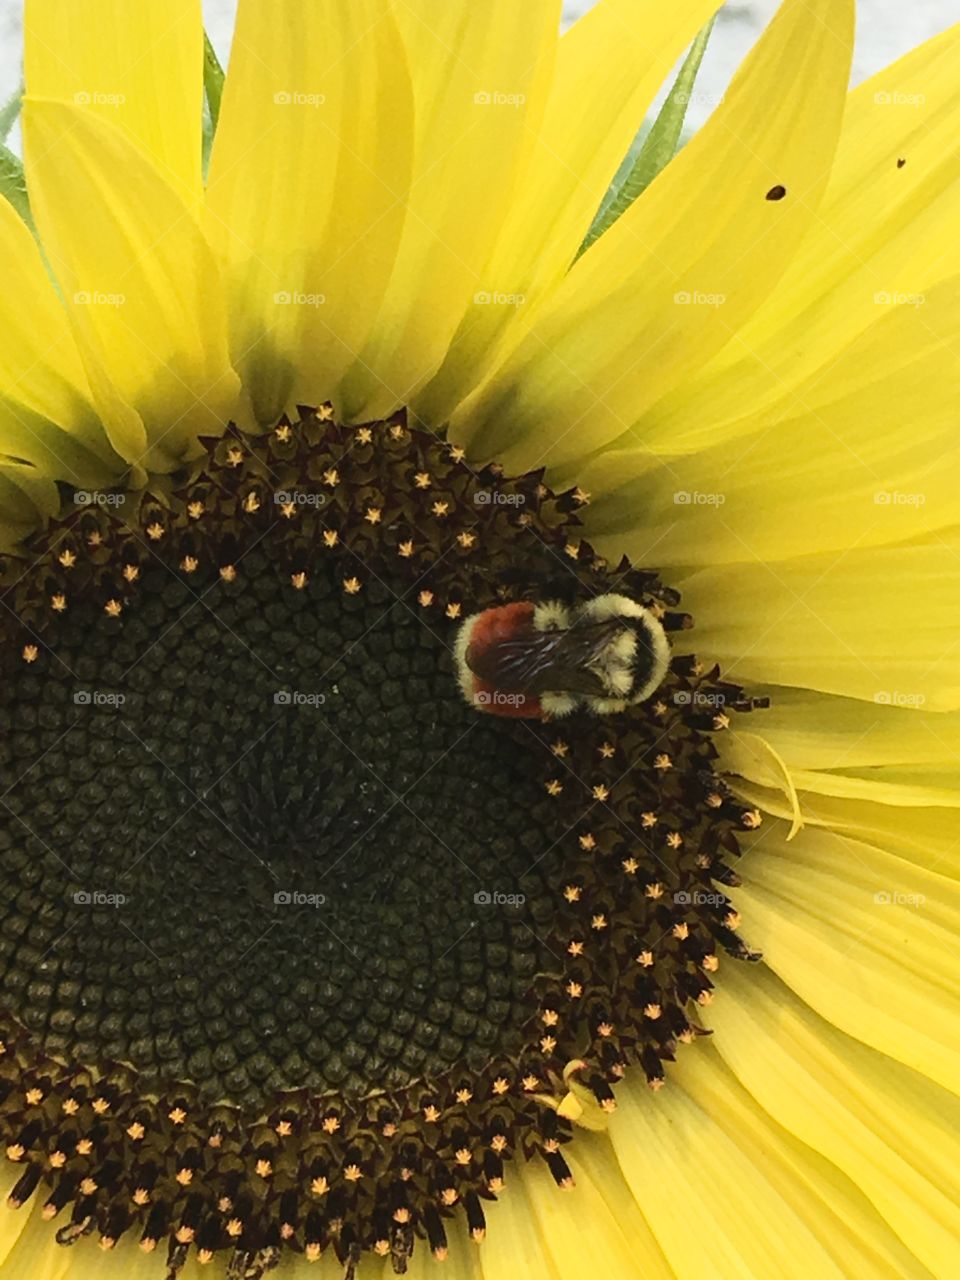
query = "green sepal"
{"x": 13, "y": 185}
{"x": 658, "y": 147}
{"x": 9, "y": 113}
{"x": 213, "y": 76}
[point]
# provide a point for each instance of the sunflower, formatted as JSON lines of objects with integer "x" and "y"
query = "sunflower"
{"x": 307, "y": 957}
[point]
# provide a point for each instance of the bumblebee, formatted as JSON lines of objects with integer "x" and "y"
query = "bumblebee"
{"x": 528, "y": 661}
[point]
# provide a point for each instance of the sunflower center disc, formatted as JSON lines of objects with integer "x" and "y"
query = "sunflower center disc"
{"x": 255, "y": 843}
{"x": 299, "y": 950}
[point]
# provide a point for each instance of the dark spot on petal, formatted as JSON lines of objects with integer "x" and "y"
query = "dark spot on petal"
{"x": 901, "y": 162}
{"x": 777, "y": 192}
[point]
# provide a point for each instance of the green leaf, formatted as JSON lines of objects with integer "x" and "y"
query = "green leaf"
{"x": 213, "y": 93}
{"x": 212, "y": 80}
{"x": 8, "y": 114}
{"x": 658, "y": 147}
{"x": 207, "y": 143}
{"x": 13, "y": 184}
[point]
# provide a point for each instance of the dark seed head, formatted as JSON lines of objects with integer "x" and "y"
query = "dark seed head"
{"x": 299, "y": 952}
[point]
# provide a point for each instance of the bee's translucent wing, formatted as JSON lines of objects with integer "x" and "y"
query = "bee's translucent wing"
{"x": 546, "y": 660}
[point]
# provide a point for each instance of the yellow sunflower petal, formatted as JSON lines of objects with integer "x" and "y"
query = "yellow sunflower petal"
{"x": 682, "y": 270}
{"x": 594, "y": 1158}
{"x": 846, "y": 762}
{"x": 752, "y": 755}
{"x": 816, "y": 731}
{"x": 917, "y": 823}
{"x": 13, "y": 1222}
{"x": 26, "y": 491}
{"x": 140, "y": 66}
{"x": 863, "y": 623}
{"x": 860, "y": 934}
{"x": 609, "y": 65}
{"x": 46, "y": 414}
{"x": 884, "y": 236}
{"x": 893, "y": 1132}
{"x": 676, "y": 1153}
{"x": 927, "y": 836}
{"x": 847, "y": 1226}
{"x": 141, "y": 285}
{"x": 560, "y": 1217}
{"x": 863, "y": 455}
{"x": 34, "y": 1253}
{"x": 308, "y": 182}
{"x": 481, "y": 75}
{"x": 513, "y": 1245}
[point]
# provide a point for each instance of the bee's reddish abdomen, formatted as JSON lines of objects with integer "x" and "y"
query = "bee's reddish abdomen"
{"x": 502, "y": 622}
